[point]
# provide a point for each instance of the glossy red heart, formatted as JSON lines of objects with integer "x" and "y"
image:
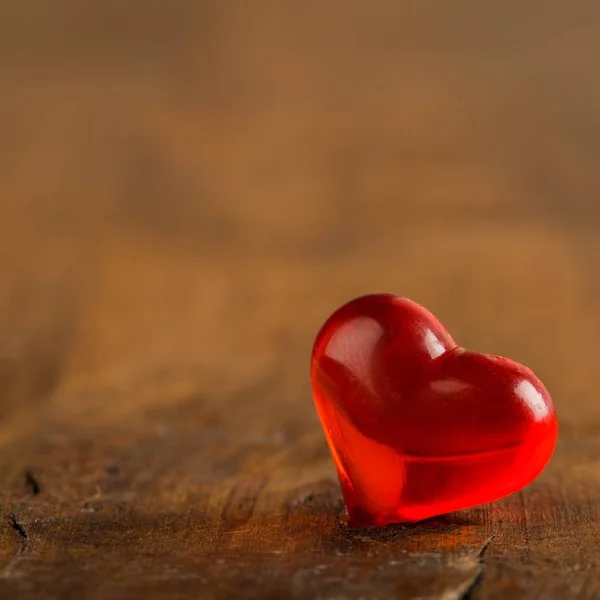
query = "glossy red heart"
{"x": 417, "y": 425}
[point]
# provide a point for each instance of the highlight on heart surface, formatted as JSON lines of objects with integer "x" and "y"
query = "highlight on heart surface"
{"x": 417, "y": 425}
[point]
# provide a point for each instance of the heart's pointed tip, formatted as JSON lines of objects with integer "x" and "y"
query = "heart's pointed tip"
{"x": 368, "y": 521}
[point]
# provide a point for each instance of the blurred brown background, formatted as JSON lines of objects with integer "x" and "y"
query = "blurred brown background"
{"x": 188, "y": 189}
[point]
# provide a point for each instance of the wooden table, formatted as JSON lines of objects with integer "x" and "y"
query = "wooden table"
{"x": 188, "y": 189}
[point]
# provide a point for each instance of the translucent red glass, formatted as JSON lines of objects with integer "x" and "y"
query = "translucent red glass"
{"x": 417, "y": 425}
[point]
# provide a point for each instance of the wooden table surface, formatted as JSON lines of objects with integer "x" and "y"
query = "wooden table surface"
{"x": 188, "y": 189}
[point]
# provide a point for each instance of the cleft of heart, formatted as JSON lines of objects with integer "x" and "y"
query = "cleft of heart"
{"x": 417, "y": 425}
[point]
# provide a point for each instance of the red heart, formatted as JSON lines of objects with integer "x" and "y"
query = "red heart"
{"x": 417, "y": 425}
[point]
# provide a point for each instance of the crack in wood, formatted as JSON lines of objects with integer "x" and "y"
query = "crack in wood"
{"x": 18, "y": 527}
{"x": 32, "y": 483}
{"x": 473, "y": 587}
{"x": 23, "y": 540}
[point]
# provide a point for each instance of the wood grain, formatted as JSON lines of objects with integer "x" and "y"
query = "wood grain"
{"x": 188, "y": 190}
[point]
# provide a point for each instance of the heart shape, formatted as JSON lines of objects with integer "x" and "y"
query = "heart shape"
{"x": 417, "y": 425}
